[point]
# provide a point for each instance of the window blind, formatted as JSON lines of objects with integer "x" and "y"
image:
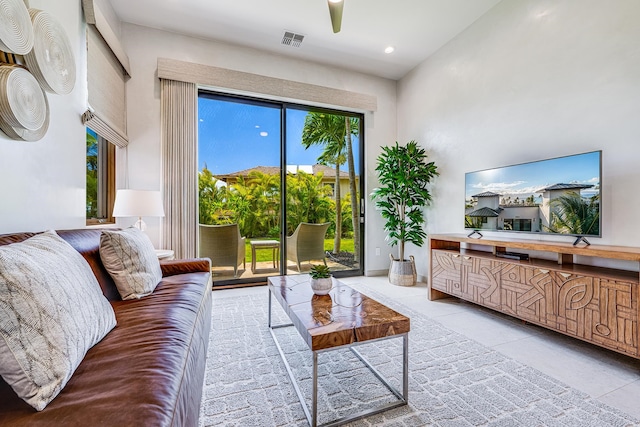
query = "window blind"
{"x": 107, "y": 112}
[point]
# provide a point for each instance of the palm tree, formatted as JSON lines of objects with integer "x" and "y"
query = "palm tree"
{"x": 328, "y": 130}
{"x": 353, "y": 128}
{"x": 572, "y": 214}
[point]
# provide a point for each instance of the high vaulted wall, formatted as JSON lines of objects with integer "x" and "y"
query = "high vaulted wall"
{"x": 42, "y": 184}
{"x": 144, "y": 46}
{"x": 532, "y": 79}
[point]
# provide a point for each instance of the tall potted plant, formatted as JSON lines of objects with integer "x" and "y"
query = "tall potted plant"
{"x": 404, "y": 176}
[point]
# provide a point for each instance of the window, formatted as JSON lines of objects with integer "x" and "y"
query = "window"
{"x": 101, "y": 181}
{"x": 517, "y": 224}
{"x": 333, "y": 188}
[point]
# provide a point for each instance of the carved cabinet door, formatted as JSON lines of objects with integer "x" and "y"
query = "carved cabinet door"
{"x": 528, "y": 293}
{"x": 597, "y": 310}
{"x": 445, "y": 271}
{"x": 480, "y": 281}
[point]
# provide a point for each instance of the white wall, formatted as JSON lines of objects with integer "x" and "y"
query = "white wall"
{"x": 532, "y": 79}
{"x": 42, "y": 184}
{"x": 529, "y": 80}
{"x": 144, "y": 46}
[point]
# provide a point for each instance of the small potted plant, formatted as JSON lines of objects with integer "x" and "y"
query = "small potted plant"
{"x": 320, "y": 279}
{"x": 404, "y": 175}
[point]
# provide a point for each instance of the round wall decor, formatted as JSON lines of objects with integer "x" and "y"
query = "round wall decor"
{"x": 16, "y": 31}
{"x": 22, "y": 134}
{"x": 22, "y": 101}
{"x": 51, "y": 60}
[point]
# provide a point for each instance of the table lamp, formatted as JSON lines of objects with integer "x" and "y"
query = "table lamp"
{"x": 138, "y": 203}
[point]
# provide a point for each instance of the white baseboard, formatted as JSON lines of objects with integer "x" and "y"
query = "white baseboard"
{"x": 373, "y": 273}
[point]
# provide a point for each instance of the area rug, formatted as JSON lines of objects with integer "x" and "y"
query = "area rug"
{"x": 453, "y": 380}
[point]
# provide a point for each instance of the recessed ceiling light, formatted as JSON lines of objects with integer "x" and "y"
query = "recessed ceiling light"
{"x": 389, "y": 49}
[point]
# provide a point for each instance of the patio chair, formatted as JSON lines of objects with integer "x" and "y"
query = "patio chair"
{"x": 307, "y": 243}
{"x": 223, "y": 245}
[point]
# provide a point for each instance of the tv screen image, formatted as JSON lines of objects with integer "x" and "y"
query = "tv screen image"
{"x": 554, "y": 196}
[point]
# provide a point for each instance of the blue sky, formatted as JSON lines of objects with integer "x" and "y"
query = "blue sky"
{"x": 237, "y": 136}
{"x": 524, "y": 179}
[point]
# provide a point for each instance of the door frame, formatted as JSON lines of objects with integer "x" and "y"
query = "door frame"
{"x": 284, "y": 106}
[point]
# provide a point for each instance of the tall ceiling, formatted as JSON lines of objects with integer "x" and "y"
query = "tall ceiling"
{"x": 415, "y": 28}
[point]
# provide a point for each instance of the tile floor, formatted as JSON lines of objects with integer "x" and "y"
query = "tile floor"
{"x": 612, "y": 378}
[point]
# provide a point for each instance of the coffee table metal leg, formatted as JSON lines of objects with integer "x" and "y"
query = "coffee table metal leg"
{"x": 269, "y": 321}
{"x": 405, "y": 367}
{"x": 314, "y": 402}
{"x": 404, "y": 396}
{"x": 312, "y": 416}
{"x": 293, "y": 379}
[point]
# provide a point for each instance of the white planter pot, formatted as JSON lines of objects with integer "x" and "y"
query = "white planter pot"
{"x": 321, "y": 286}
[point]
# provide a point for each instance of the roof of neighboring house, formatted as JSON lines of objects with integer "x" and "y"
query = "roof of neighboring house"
{"x": 486, "y": 194}
{"x": 327, "y": 171}
{"x": 482, "y": 212}
{"x": 567, "y": 187}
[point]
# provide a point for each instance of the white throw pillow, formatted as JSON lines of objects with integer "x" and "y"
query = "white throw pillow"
{"x": 52, "y": 311}
{"x": 129, "y": 257}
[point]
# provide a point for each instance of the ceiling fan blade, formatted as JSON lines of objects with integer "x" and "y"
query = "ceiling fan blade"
{"x": 335, "y": 10}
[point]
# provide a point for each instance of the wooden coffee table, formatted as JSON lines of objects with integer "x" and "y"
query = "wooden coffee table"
{"x": 344, "y": 318}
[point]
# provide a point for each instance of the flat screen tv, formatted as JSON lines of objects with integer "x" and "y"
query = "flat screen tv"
{"x": 554, "y": 196}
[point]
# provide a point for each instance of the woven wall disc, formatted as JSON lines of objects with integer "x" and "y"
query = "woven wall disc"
{"x": 16, "y": 31}
{"x": 51, "y": 60}
{"x": 22, "y": 134}
{"x": 22, "y": 102}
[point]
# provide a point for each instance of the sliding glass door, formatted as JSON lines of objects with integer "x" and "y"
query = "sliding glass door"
{"x": 323, "y": 189}
{"x": 275, "y": 188}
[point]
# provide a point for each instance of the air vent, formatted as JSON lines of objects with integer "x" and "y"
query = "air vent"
{"x": 292, "y": 39}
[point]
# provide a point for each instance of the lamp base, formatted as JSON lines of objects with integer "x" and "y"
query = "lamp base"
{"x": 140, "y": 224}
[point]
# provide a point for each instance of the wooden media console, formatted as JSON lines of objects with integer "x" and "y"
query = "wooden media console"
{"x": 595, "y": 304}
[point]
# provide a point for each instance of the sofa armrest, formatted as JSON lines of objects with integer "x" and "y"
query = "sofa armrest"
{"x": 183, "y": 266}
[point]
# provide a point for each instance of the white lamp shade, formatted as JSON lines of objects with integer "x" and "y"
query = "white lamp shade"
{"x": 138, "y": 203}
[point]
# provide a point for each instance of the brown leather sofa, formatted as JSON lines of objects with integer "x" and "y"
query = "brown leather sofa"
{"x": 149, "y": 370}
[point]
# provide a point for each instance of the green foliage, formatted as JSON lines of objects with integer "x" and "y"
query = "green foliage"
{"x": 92, "y": 176}
{"x": 404, "y": 176}
{"x": 347, "y": 221}
{"x": 472, "y": 222}
{"x": 572, "y": 214}
{"x": 254, "y": 203}
{"x": 212, "y": 207}
{"x": 319, "y": 271}
{"x": 308, "y": 200}
{"x": 330, "y": 131}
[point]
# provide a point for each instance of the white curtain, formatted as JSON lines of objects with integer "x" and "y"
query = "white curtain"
{"x": 179, "y": 110}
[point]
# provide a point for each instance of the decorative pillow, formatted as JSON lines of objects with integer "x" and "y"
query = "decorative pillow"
{"x": 52, "y": 311}
{"x": 130, "y": 259}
